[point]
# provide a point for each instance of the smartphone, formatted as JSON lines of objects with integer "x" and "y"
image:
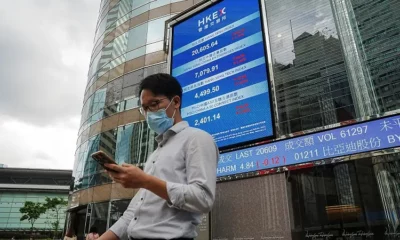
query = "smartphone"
{"x": 101, "y": 158}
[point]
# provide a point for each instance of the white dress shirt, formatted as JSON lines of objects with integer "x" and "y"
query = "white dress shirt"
{"x": 186, "y": 158}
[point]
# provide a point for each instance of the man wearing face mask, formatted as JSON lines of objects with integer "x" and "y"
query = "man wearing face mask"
{"x": 178, "y": 183}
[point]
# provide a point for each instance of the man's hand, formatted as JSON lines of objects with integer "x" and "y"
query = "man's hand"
{"x": 109, "y": 235}
{"x": 129, "y": 176}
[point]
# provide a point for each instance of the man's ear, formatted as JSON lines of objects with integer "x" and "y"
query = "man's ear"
{"x": 177, "y": 102}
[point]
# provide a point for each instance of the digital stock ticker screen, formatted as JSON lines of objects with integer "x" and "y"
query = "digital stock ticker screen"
{"x": 219, "y": 57}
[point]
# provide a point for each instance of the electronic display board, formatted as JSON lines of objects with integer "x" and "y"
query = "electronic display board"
{"x": 219, "y": 57}
{"x": 358, "y": 138}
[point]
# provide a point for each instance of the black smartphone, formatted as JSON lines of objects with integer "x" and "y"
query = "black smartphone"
{"x": 101, "y": 158}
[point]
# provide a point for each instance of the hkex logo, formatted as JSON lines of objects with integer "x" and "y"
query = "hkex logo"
{"x": 213, "y": 16}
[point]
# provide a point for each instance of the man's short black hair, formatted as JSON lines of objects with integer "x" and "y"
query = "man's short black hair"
{"x": 161, "y": 84}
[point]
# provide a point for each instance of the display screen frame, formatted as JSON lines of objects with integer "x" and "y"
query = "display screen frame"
{"x": 201, "y": 8}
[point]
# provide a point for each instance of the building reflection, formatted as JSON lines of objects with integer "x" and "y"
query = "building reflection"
{"x": 387, "y": 170}
{"x": 356, "y": 196}
{"x": 135, "y": 143}
{"x": 378, "y": 29}
{"x": 313, "y": 91}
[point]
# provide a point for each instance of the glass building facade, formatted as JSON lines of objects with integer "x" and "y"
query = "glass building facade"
{"x": 333, "y": 61}
{"x": 128, "y": 46}
{"x": 19, "y": 185}
{"x": 357, "y": 196}
{"x": 11, "y": 202}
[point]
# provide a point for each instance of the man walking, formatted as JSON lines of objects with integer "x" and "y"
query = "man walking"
{"x": 178, "y": 183}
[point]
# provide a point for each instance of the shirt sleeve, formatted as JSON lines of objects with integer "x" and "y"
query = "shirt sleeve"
{"x": 198, "y": 194}
{"x": 120, "y": 227}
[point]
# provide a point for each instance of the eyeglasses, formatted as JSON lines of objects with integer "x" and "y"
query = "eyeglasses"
{"x": 152, "y": 107}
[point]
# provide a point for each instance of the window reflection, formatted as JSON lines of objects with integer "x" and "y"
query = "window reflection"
{"x": 100, "y": 29}
{"x": 117, "y": 16}
{"x": 108, "y": 142}
{"x": 119, "y": 47}
{"x": 10, "y": 204}
{"x": 104, "y": 3}
{"x": 93, "y": 105}
{"x": 114, "y": 51}
{"x": 125, "y": 7}
{"x": 90, "y": 166}
{"x": 105, "y": 57}
{"x": 128, "y": 103}
{"x": 387, "y": 170}
{"x": 99, "y": 178}
{"x": 135, "y": 53}
{"x": 133, "y": 78}
{"x": 78, "y": 167}
{"x": 112, "y": 16}
{"x": 139, "y": 10}
{"x": 154, "y": 47}
{"x": 377, "y": 34}
{"x": 119, "y": 60}
{"x": 110, "y": 110}
{"x": 333, "y": 60}
{"x": 99, "y": 214}
{"x": 159, "y": 3}
{"x": 96, "y": 102}
{"x": 128, "y": 46}
{"x": 114, "y": 90}
{"x": 357, "y": 196}
{"x": 159, "y": 68}
{"x": 108, "y": 23}
{"x": 94, "y": 65}
{"x": 156, "y": 30}
{"x": 135, "y": 41}
{"x": 310, "y": 74}
{"x": 139, "y": 3}
{"x": 87, "y": 172}
{"x": 131, "y": 143}
{"x": 135, "y": 142}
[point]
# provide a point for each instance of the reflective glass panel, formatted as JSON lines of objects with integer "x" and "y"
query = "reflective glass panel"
{"x": 312, "y": 83}
{"x": 99, "y": 216}
{"x": 343, "y": 199}
{"x": 135, "y": 142}
{"x": 156, "y": 30}
{"x": 136, "y": 37}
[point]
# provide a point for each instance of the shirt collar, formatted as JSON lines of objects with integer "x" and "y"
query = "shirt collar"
{"x": 177, "y": 128}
